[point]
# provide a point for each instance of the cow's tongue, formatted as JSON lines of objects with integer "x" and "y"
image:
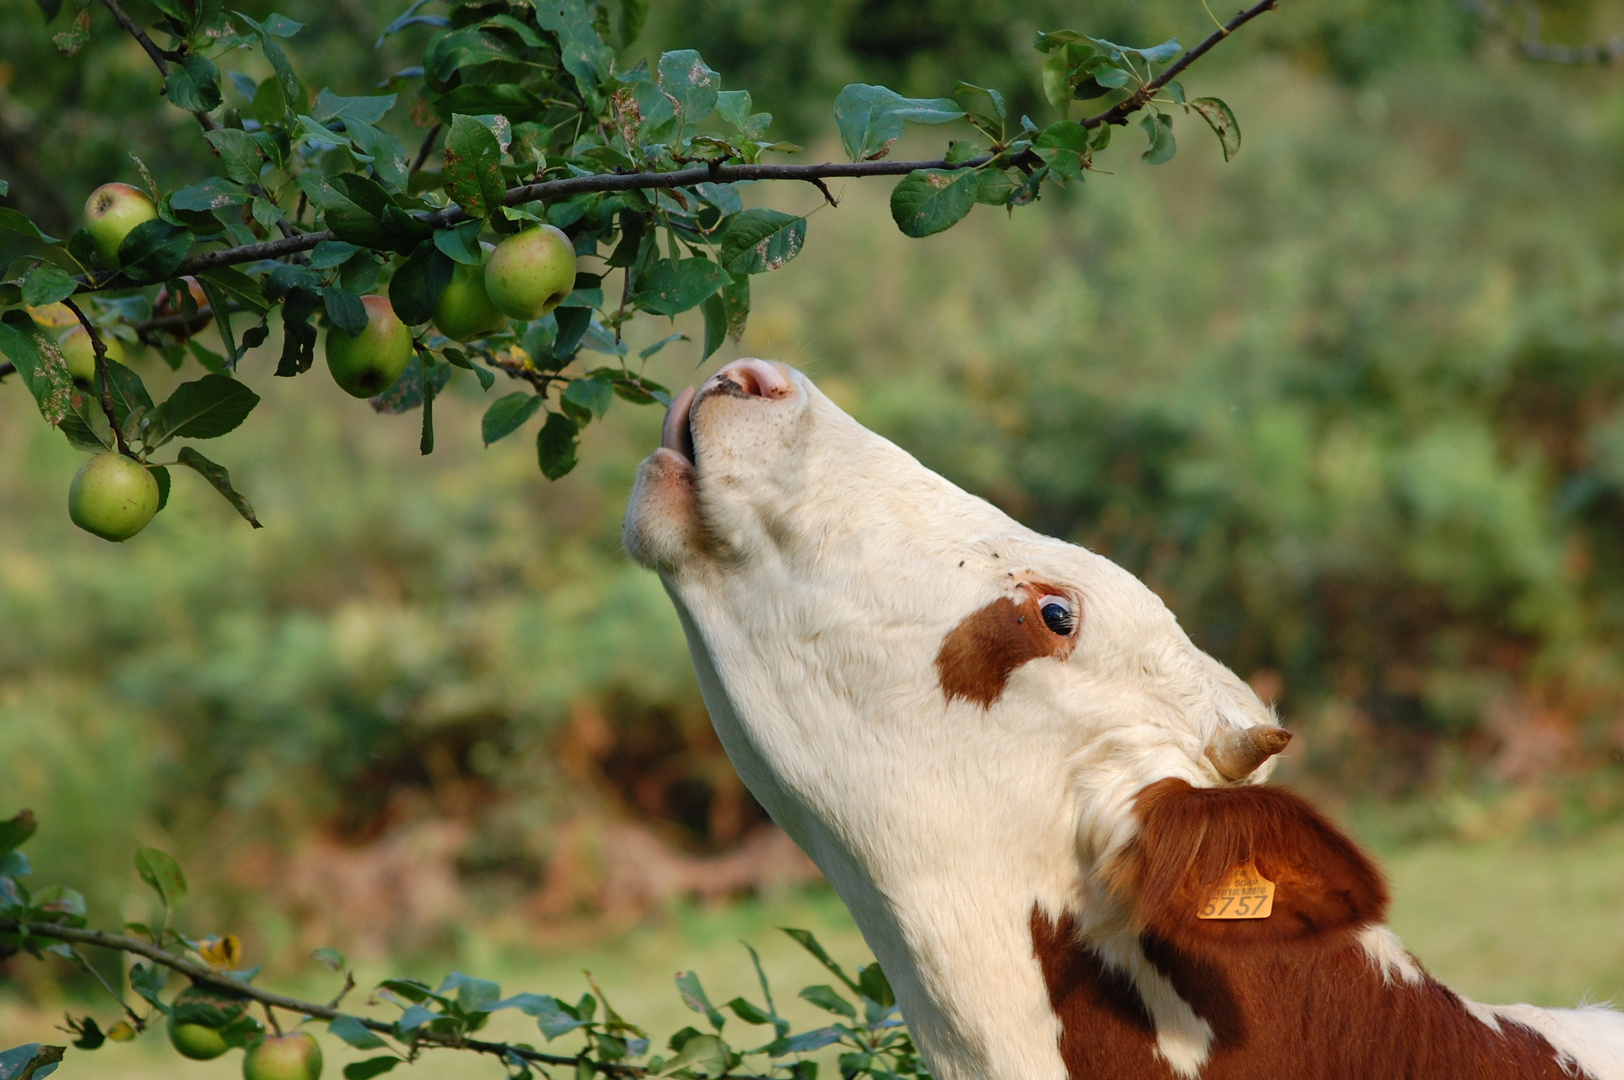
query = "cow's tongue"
{"x": 677, "y": 434}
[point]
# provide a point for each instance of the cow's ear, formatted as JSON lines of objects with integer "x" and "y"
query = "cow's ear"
{"x": 1191, "y": 842}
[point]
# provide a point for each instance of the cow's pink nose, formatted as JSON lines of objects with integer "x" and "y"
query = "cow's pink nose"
{"x": 757, "y": 378}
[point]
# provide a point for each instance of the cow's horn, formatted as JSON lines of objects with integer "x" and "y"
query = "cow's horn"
{"x": 1235, "y": 752}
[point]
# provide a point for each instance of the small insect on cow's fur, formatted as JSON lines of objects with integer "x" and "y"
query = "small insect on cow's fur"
{"x": 1026, "y": 782}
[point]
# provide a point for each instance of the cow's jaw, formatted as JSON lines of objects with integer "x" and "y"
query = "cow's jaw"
{"x": 818, "y": 570}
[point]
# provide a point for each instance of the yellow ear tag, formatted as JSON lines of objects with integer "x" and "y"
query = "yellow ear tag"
{"x": 1244, "y": 894}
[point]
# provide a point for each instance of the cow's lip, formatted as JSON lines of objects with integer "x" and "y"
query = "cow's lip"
{"x": 677, "y": 435}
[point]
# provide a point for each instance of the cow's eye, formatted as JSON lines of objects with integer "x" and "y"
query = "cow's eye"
{"x": 1057, "y": 615}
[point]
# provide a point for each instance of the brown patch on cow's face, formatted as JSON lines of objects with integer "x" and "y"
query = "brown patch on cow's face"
{"x": 978, "y": 655}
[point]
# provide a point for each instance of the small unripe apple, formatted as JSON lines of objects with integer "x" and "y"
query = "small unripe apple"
{"x": 464, "y": 310}
{"x": 80, "y": 353}
{"x": 531, "y": 272}
{"x": 112, "y": 496}
{"x": 370, "y": 362}
{"x": 196, "y": 1041}
{"x": 294, "y": 1056}
{"x": 203, "y": 1041}
{"x": 110, "y": 213}
{"x": 167, "y": 306}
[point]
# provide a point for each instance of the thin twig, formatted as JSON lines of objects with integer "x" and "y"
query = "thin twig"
{"x": 103, "y": 375}
{"x": 215, "y": 977}
{"x": 159, "y": 57}
{"x": 1529, "y": 44}
{"x": 135, "y": 1017}
{"x": 1119, "y": 113}
{"x": 427, "y": 148}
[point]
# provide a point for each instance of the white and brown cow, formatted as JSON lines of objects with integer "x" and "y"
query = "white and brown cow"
{"x": 1026, "y": 782}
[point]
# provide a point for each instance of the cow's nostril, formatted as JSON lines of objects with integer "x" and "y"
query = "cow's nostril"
{"x": 758, "y": 378}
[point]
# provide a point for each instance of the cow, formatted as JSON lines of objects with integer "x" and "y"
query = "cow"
{"x": 1027, "y": 784}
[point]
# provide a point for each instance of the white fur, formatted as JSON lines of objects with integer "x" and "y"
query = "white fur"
{"x": 816, "y": 569}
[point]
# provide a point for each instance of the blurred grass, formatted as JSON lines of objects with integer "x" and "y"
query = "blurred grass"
{"x": 1498, "y": 922}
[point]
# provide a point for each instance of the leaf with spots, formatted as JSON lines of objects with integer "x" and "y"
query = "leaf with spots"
{"x": 927, "y": 201}
{"x": 39, "y": 362}
{"x": 690, "y": 84}
{"x": 760, "y": 240}
{"x": 1221, "y": 118}
{"x": 672, "y": 286}
{"x": 473, "y": 167}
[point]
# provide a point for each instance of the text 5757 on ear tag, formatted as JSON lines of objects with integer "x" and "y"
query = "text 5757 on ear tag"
{"x": 1243, "y": 894}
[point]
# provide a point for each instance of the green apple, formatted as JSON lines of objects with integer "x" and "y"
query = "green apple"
{"x": 112, "y": 496}
{"x": 196, "y": 1041}
{"x": 110, "y": 213}
{"x": 80, "y": 353}
{"x": 531, "y": 272}
{"x": 464, "y": 310}
{"x": 194, "y": 1037}
{"x": 294, "y": 1056}
{"x": 370, "y": 362}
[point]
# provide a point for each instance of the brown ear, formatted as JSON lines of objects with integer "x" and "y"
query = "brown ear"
{"x": 1189, "y": 841}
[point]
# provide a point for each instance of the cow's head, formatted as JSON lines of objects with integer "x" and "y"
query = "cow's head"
{"x": 952, "y": 714}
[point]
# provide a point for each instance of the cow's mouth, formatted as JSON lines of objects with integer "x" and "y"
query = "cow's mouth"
{"x": 741, "y": 378}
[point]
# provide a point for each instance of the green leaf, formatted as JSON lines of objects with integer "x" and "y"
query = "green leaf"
{"x": 240, "y": 155}
{"x": 153, "y": 251}
{"x": 204, "y": 409}
{"x": 689, "y": 83}
{"x": 715, "y": 311}
{"x": 472, "y": 995}
{"x": 672, "y": 286}
{"x": 507, "y": 414}
{"x": 804, "y": 1043}
{"x": 928, "y": 201}
{"x": 1221, "y": 118}
{"x": 829, "y": 1000}
{"x": 382, "y": 151}
{"x": 75, "y": 37}
{"x": 365, "y": 1070}
{"x": 46, "y": 284}
{"x": 556, "y": 444}
{"x": 757, "y": 241}
{"x": 357, "y": 209}
{"x": 871, "y": 118}
{"x": 588, "y": 397}
{"x": 273, "y": 27}
{"x": 18, "y": 222}
{"x": 473, "y": 167}
{"x": 49, "y": 8}
{"x": 414, "y": 389}
{"x": 39, "y": 361}
{"x": 368, "y": 110}
{"x": 161, "y": 474}
{"x": 331, "y": 959}
{"x": 810, "y": 943}
{"x": 1159, "y": 126}
{"x": 344, "y": 309}
{"x": 693, "y": 996}
{"x": 461, "y": 243}
{"x": 357, "y": 1034}
{"x": 15, "y": 831}
{"x": 30, "y": 1061}
{"x": 217, "y": 476}
{"x": 129, "y": 393}
{"x": 703, "y": 1052}
{"x": 238, "y": 286}
{"x": 163, "y": 873}
{"x": 215, "y": 193}
{"x": 417, "y": 285}
{"x": 584, "y": 54}
{"x": 194, "y": 84}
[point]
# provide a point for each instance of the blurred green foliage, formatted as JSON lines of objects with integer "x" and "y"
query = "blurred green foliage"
{"x": 1354, "y": 404}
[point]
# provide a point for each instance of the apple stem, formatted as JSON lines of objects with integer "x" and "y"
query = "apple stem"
{"x": 270, "y": 1016}
{"x": 102, "y": 375}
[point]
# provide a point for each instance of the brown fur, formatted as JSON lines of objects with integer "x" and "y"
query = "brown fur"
{"x": 1291, "y": 997}
{"x": 978, "y": 655}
